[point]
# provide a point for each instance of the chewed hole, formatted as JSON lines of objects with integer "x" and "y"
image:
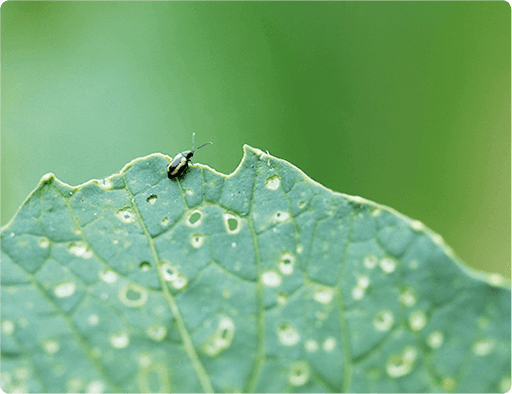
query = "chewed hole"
{"x": 400, "y": 365}
{"x": 281, "y": 216}
{"x": 152, "y": 199}
{"x": 80, "y": 249}
{"x": 383, "y": 321}
{"x": 126, "y": 215}
{"x": 144, "y": 266}
{"x": 105, "y": 184}
{"x": 225, "y": 333}
{"x": 197, "y": 240}
{"x": 194, "y": 219}
{"x": 133, "y": 295}
{"x": 286, "y": 263}
{"x": 272, "y": 182}
{"x": 302, "y": 204}
{"x": 156, "y": 332}
{"x": 232, "y": 223}
{"x": 287, "y": 259}
{"x": 287, "y": 334}
{"x": 180, "y": 282}
{"x": 165, "y": 221}
{"x": 44, "y": 242}
{"x": 108, "y": 276}
{"x": 299, "y": 374}
{"x": 226, "y": 328}
{"x": 221, "y": 339}
{"x": 169, "y": 272}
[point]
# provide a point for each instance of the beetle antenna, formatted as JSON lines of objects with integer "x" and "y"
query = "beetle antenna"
{"x": 193, "y": 140}
{"x": 208, "y": 143}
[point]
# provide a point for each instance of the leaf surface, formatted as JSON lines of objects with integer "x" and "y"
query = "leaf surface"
{"x": 260, "y": 281}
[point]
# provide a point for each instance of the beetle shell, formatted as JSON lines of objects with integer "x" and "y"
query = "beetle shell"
{"x": 179, "y": 165}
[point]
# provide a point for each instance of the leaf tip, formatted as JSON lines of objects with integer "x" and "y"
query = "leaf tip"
{"x": 256, "y": 151}
{"x": 47, "y": 178}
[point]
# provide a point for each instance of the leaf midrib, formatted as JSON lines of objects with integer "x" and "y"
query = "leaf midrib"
{"x": 187, "y": 341}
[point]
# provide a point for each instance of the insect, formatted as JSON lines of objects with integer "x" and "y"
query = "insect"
{"x": 179, "y": 165}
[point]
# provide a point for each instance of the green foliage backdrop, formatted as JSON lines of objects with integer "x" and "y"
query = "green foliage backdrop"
{"x": 403, "y": 103}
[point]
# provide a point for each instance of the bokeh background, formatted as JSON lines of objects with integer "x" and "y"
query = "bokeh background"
{"x": 404, "y": 103}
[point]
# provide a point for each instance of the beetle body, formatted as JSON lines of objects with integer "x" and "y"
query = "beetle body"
{"x": 179, "y": 165}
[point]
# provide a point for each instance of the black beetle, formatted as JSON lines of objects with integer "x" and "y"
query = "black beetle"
{"x": 179, "y": 165}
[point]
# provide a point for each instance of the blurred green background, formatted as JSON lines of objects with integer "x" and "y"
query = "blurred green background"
{"x": 404, "y": 103}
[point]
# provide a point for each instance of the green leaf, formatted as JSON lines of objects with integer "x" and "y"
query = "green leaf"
{"x": 262, "y": 281}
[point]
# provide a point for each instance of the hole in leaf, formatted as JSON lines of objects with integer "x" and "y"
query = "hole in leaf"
{"x": 288, "y": 335}
{"x": 197, "y": 240}
{"x": 281, "y": 298}
{"x": 133, "y": 295}
{"x": 272, "y": 182}
{"x": 180, "y": 282}
{"x": 299, "y": 374}
{"x": 195, "y": 218}
{"x": 126, "y": 215}
{"x": 225, "y": 333}
{"x": 281, "y": 216}
{"x": 232, "y": 222}
{"x": 152, "y": 199}
{"x": 44, "y": 242}
{"x": 169, "y": 272}
{"x": 144, "y": 266}
{"x": 286, "y": 263}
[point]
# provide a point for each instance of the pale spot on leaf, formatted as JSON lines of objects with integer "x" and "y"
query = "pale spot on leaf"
{"x": 435, "y": 339}
{"x": 387, "y": 265}
{"x": 383, "y": 321}
{"x": 271, "y": 279}
{"x": 119, "y": 340}
{"x": 323, "y": 295}
{"x": 417, "y": 320}
{"x": 64, "y": 289}
{"x": 483, "y": 347}
{"x": 299, "y": 374}
{"x": 287, "y": 334}
{"x": 51, "y": 346}
{"x": 311, "y": 345}
{"x": 329, "y": 344}
{"x": 397, "y": 366}
{"x": 272, "y": 182}
{"x": 7, "y": 327}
